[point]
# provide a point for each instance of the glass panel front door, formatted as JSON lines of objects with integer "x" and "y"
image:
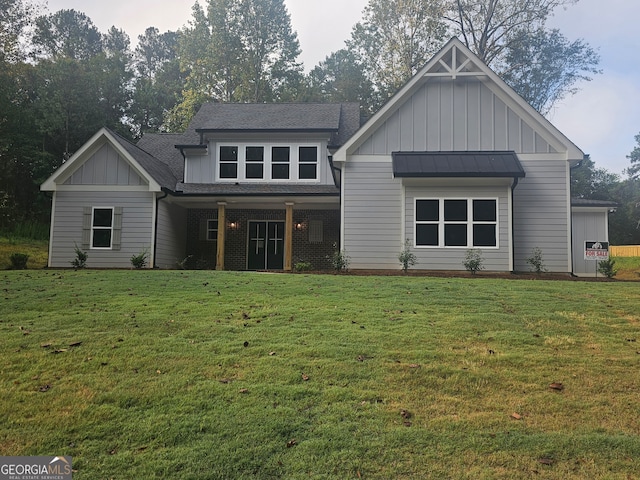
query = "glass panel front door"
{"x": 266, "y": 245}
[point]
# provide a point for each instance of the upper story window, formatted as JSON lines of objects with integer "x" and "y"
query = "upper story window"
{"x": 456, "y": 223}
{"x": 252, "y": 162}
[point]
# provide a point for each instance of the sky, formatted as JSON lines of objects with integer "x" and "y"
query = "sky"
{"x": 602, "y": 119}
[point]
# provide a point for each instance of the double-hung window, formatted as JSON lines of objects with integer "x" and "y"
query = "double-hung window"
{"x": 308, "y": 163}
{"x": 228, "y": 162}
{"x": 254, "y": 162}
{"x": 456, "y": 223}
{"x": 102, "y": 227}
{"x": 212, "y": 229}
{"x": 280, "y": 157}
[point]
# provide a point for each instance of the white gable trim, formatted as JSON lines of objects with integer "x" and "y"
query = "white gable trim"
{"x": 551, "y": 134}
{"x": 55, "y": 181}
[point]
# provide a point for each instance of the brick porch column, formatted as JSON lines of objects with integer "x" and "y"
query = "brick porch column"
{"x": 222, "y": 231}
{"x": 288, "y": 237}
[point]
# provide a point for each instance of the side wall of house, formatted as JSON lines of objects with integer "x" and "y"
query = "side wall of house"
{"x": 587, "y": 226}
{"x": 541, "y": 215}
{"x": 67, "y": 226}
{"x": 171, "y": 235}
{"x": 372, "y": 219}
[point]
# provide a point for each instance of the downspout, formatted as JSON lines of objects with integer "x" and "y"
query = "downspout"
{"x": 155, "y": 239}
{"x": 513, "y": 250}
{"x": 577, "y": 165}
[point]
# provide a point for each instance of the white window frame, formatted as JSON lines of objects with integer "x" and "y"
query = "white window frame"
{"x": 94, "y": 228}
{"x": 469, "y": 223}
{"x": 294, "y": 163}
{"x": 210, "y": 229}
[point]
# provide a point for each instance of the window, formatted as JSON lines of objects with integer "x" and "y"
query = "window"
{"x": 315, "y": 231}
{"x": 280, "y": 163}
{"x": 254, "y": 159}
{"x": 102, "y": 227}
{"x": 212, "y": 229}
{"x": 228, "y": 162}
{"x": 251, "y": 162}
{"x": 308, "y": 163}
{"x": 456, "y": 223}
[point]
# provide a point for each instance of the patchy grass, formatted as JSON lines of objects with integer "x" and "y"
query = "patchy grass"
{"x": 628, "y": 268}
{"x": 155, "y": 374}
{"x": 38, "y": 251}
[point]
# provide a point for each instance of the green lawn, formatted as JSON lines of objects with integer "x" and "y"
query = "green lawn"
{"x": 185, "y": 374}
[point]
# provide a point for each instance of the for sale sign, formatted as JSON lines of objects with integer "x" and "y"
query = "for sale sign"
{"x": 596, "y": 251}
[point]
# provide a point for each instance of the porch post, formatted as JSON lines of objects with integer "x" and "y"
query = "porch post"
{"x": 288, "y": 237}
{"x": 222, "y": 231}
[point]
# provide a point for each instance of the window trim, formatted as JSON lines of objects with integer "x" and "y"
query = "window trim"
{"x": 208, "y": 230}
{"x": 94, "y": 228}
{"x": 267, "y": 163}
{"x": 441, "y": 223}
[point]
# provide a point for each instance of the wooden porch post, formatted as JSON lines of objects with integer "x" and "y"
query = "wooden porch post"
{"x": 288, "y": 237}
{"x": 222, "y": 231}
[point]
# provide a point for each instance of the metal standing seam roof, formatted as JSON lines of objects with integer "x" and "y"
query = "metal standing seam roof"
{"x": 457, "y": 164}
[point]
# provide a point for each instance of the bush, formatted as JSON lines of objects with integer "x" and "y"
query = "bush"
{"x": 81, "y": 258}
{"x": 536, "y": 261}
{"x": 19, "y": 261}
{"x": 140, "y": 260}
{"x": 406, "y": 257}
{"x": 607, "y": 268}
{"x": 339, "y": 259}
{"x": 473, "y": 261}
{"x": 302, "y": 266}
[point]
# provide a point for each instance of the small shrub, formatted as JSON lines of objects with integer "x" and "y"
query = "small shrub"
{"x": 19, "y": 261}
{"x": 140, "y": 260}
{"x": 473, "y": 261}
{"x": 536, "y": 261}
{"x": 81, "y": 258}
{"x": 406, "y": 257}
{"x": 607, "y": 268}
{"x": 339, "y": 259}
{"x": 302, "y": 266}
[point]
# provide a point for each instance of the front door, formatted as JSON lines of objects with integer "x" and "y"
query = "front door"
{"x": 266, "y": 245}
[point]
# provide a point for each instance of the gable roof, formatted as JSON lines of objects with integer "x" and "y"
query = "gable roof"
{"x": 456, "y": 164}
{"x": 455, "y": 61}
{"x": 156, "y": 174}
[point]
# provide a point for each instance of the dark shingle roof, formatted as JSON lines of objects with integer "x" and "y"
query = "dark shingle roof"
{"x": 159, "y": 171}
{"x": 258, "y": 189}
{"x": 162, "y": 147}
{"x": 583, "y": 202}
{"x": 456, "y": 164}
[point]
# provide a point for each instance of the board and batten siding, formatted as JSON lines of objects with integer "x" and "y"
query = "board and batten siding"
{"x": 451, "y": 258}
{"x": 587, "y": 226}
{"x": 372, "y": 220}
{"x": 171, "y": 235}
{"x": 464, "y": 115}
{"x": 67, "y": 226}
{"x": 105, "y": 167}
{"x": 541, "y": 214}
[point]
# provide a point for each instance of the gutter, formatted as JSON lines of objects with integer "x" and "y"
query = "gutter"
{"x": 513, "y": 250}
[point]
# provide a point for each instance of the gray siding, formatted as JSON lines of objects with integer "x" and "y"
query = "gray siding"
{"x": 171, "y": 235}
{"x": 137, "y": 223}
{"x": 372, "y": 221}
{"x": 461, "y": 115}
{"x": 495, "y": 259}
{"x": 199, "y": 169}
{"x": 105, "y": 167}
{"x": 541, "y": 215}
{"x": 587, "y": 227}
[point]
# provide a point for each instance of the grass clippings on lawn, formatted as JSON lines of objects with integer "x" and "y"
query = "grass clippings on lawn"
{"x": 150, "y": 374}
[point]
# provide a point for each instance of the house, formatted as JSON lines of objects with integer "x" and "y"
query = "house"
{"x": 455, "y": 160}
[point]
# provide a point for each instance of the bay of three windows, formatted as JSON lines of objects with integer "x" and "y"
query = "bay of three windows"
{"x": 275, "y": 162}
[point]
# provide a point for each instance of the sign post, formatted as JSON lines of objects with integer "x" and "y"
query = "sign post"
{"x": 596, "y": 251}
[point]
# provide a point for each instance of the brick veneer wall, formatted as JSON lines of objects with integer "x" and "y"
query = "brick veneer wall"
{"x": 203, "y": 253}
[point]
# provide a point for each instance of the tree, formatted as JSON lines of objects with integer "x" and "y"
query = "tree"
{"x": 236, "y": 51}
{"x": 395, "y": 39}
{"x": 66, "y": 34}
{"x": 511, "y": 37}
{"x": 15, "y": 17}
{"x": 591, "y": 183}
{"x": 634, "y": 158}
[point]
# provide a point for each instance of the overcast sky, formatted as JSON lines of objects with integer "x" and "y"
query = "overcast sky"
{"x": 602, "y": 119}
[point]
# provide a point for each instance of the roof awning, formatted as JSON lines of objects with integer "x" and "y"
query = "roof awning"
{"x": 503, "y": 164}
